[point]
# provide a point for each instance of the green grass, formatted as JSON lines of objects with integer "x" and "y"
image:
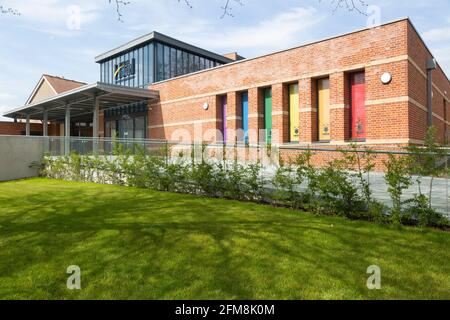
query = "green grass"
{"x": 140, "y": 244}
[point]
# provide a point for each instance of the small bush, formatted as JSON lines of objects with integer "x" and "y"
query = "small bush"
{"x": 341, "y": 188}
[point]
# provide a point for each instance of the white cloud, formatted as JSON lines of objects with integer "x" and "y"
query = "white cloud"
{"x": 443, "y": 57}
{"x": 278, "y": 32}
{"x": 438, "y": 34}
{"x": 55, "y": 17}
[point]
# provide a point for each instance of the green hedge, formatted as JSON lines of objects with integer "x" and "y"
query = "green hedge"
{"x": 340, "y": 188}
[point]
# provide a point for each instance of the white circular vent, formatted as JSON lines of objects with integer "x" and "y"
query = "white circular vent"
{"x": 205, "y": 106}
{"x": 386, "y": 78}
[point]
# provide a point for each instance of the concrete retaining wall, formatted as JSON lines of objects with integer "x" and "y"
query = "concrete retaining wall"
{"x": 17, "y": 153}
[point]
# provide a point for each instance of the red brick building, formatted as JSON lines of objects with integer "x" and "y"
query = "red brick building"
{"x": 368, "y": 86}
{"x": 395, "y": 112}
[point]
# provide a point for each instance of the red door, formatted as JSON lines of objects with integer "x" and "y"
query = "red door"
{"x": 358, "y": 87}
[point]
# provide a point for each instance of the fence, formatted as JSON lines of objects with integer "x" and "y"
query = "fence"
{"x": 271, "y": 157}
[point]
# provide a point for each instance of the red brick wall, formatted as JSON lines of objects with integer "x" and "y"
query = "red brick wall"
{"x": 18, "y": 128}
{"x": 392, "y": 114}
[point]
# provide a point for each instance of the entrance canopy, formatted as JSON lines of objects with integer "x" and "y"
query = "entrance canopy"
{"x": 82, "y": 102}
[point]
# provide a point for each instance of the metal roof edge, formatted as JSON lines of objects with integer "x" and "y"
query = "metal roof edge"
{"x": 157, "y": 36}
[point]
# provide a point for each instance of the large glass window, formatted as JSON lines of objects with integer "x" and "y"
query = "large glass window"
{"x": 179, "y": 62}
{"x": 173, "y": 62}
{"x": 185, "y": 62}
{"x": 126, "y": 127}
{"x": 191, "y": 63}
{"x": 159, "y": 62}
{"x": 139, "y": 127}
{"x": 202, "y": 63}
{"x": 166, "y": 62}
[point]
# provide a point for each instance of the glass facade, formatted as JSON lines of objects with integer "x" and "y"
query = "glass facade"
{"x": 151, "y": 63}
{"x": 132, "y": 69}
{"x": 127, "y": 122}
{"x": 171, "y": 62}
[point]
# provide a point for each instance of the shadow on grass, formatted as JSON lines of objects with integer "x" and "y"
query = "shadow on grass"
{"x": 133, "y": 243}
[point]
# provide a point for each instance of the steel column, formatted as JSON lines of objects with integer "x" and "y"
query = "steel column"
{"x": 27, "y": 126}
{"x": 67, "y": 131}
{"x": 45, "y": 124}
{"x": 95, "y": 124}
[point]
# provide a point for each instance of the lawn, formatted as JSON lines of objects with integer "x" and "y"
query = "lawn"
{"x": 139, "y": 244}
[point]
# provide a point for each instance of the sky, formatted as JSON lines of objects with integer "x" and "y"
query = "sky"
{"x": 62, "y": 37}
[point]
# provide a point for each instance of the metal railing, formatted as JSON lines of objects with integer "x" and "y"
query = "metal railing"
{"x": 268, "y": 155}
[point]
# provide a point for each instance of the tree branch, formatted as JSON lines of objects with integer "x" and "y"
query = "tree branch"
{"x": 119, "y": 4}
{"x": 228, "y": 9}
{"x": 12, "y": 11}
{"x": 351, "y": 5}
{"x": 358, "y": 6}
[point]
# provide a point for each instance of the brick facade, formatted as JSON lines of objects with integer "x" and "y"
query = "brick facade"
{"x": 18, "y": 128}
{"x": 395, "y": 113}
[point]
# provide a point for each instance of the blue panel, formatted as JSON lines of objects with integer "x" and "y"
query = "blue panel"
{"x": 245, "y": 115}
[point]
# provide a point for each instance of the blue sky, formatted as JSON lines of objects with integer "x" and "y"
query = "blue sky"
{"x": 51, "y": 37}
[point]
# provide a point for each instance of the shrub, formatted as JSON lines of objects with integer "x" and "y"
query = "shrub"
{"x": 285, "y": 186}
{"x": 338, "y": 192}
{"x": 398, "y": 180}
{"x": 341, "y": 188}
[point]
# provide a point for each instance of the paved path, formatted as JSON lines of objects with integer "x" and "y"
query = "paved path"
{"x": 440, "y": 194}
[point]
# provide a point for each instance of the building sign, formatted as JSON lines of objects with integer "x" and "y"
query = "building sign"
{"x": 125, "y": 70}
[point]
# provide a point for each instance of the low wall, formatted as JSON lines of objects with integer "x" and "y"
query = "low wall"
{"x": 17, "y": 153}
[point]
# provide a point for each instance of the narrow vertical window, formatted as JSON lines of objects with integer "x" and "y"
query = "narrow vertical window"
{"x": 224, "y": 118}
{"x": 294, "y": 116}
{"x": 166, "y": 63}
{"x": 268, "y": 114}
{"x": 358, "y": 98}
{"x": 173, "y": 62}
{"x": 179, "y": 62}
{"x": 159, "y": 62}
{"x": 323, "y": 103}
{"x": 244, "y": 99}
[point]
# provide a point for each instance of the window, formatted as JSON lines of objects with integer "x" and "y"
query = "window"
{"x": 146, "y": 65}
{"x": 166, "y": 62}
{"x": 196, "y": 63}
{"x": 294, "y": 114}
{"x": 202, "y": 63}
{"x": 358, "y": 105}
{"x": 244, "y": 102}
{"x": 268, "y": 114}
{"x": 173, "y": 62}
{"x": 224, "y": 117}
{"x": 179, "y": 63}
{"x": 139, "y": 127}
{"x": 159, "y": 62}
{"x": 323, "y": 105}
{"x": 185, "y": 62}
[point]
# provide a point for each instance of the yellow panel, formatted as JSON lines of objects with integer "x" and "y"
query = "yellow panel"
{"x": 324, "y": 109}
{"x": 294, "y": 115}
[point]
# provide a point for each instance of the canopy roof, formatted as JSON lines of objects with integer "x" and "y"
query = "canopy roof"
{"x": 82, "y": 101}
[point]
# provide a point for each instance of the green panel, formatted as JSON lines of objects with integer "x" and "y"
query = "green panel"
{"x": 268, "y": 114}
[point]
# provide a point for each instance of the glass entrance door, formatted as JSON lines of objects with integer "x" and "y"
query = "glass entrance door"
{"x": 126, "y": 128}
{"x": 139, "y": 128}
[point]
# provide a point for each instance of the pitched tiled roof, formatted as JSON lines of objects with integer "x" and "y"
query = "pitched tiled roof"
{"x": 62, "y": 85}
